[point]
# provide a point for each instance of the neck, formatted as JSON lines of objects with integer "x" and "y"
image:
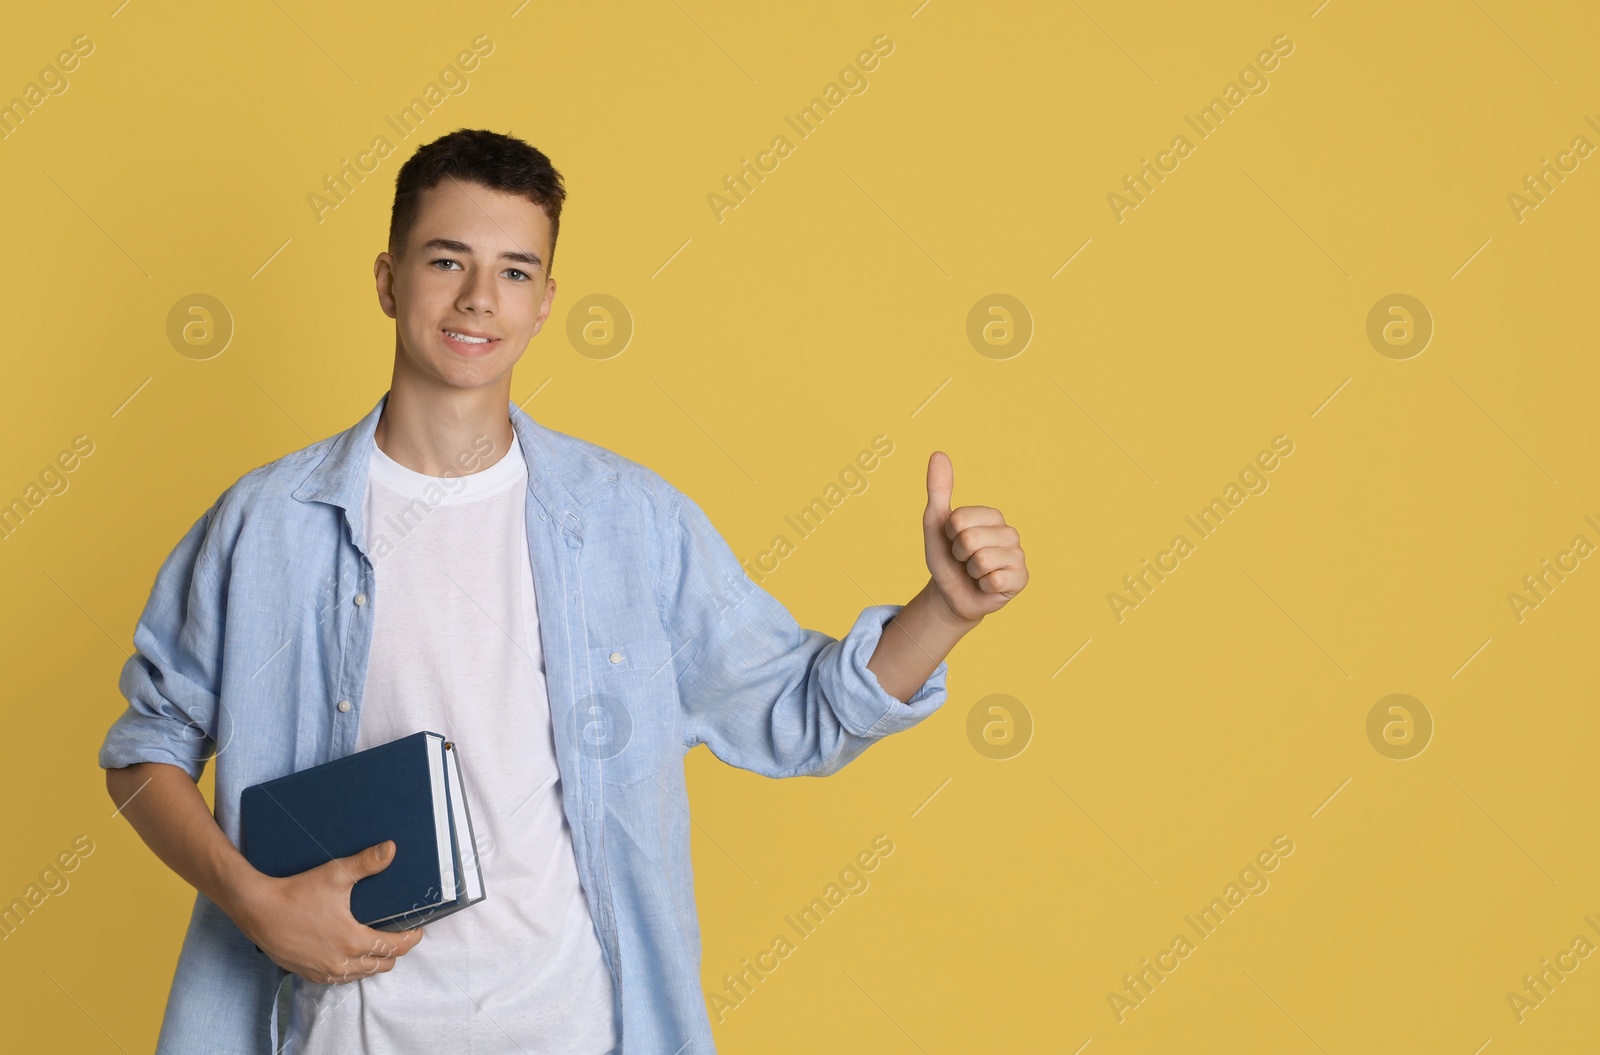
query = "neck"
{"x": 439, "y": 430}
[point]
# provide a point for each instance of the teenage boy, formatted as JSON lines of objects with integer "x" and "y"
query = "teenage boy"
{"x": 567, "y": 616}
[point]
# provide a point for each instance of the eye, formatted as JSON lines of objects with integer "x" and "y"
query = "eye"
{"x": 525, "y": 276}
{"x": 444, "y": 260}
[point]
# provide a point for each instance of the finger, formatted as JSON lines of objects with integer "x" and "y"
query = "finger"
{"x": 970, "y": 540}
{"x": 992, "y": 559}
{"x": 1006, "y": 580}
{"x": 374, "y": 965}
{"x": 361, "y": 964}
{"x": 370, "y": 861}
{"x": 972, "y": 516}
{"x": 394, "y": 943}
{"x": 353, "y": 970}
{"x": 345, "y": 971}
{"x": 941, "y": 481}
{"x": 380, "y": 949}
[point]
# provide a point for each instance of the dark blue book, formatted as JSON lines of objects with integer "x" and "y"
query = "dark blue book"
{"x": 408, "y": 790}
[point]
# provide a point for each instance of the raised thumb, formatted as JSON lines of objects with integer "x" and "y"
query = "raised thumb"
{"x": 941, "y": 481}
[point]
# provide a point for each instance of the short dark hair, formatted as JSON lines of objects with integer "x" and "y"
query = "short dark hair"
{"x": 500, "y": 162}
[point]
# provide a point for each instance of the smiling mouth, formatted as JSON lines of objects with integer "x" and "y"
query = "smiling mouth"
{"x": 467, "y": 344}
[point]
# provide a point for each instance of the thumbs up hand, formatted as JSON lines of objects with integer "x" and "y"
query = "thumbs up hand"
{"x": 975, "y": 557}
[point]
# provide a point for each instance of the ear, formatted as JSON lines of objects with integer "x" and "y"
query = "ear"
{"x": 383, "y": 270}
{"x": 545, "y": 306}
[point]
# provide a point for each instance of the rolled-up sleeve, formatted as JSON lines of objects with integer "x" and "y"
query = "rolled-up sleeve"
{"x": 171, "y": 682}
{"x": 762, "y": 692}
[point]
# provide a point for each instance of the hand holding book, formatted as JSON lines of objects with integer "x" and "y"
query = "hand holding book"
{"x": 303, "y": 922}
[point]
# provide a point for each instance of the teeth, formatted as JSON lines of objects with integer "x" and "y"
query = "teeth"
{"x": 464, "y": 337}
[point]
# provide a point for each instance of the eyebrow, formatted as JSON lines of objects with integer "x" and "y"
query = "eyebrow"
{"x": 451, "y": 245}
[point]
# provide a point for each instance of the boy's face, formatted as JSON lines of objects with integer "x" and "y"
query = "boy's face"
{"x": 473, "y": 265}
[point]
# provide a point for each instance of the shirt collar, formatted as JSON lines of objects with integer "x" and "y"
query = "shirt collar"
{"x": 562, "y": 476}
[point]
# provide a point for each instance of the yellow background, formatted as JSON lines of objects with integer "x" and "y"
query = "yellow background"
{"x": 828, "y": 308}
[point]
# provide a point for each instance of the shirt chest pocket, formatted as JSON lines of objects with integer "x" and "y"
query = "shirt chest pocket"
{"x": 629, "y": 721}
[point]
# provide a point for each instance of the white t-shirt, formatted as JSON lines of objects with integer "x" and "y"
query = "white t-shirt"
{"x": 456, "y": 650}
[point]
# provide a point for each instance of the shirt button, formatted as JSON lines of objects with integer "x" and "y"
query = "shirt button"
{"x": 361, "y": 598}
{"x": 344, "y": 705}
{"x": 616, "y": 657}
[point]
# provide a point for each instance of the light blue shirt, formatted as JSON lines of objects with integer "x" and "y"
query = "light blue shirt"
{"x": 253, "y": 650}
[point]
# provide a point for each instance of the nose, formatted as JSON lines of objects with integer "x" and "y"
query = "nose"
{"x": 478, "y": 292}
